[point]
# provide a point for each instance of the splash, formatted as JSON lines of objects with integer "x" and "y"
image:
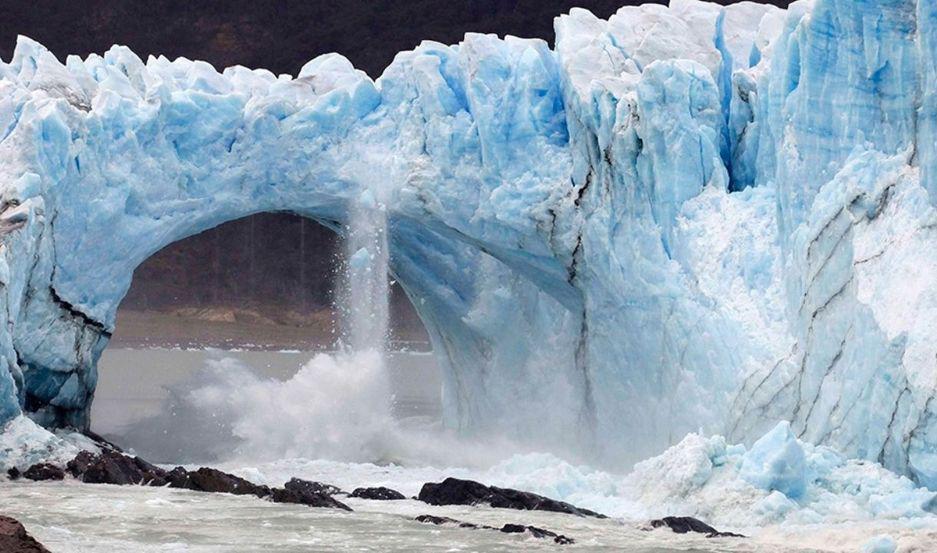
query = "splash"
{"x": 335, "y": 407}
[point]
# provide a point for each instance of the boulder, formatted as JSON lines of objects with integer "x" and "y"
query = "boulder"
{"x": 177, "y": 477}
{"x": 308, "y": 486}
{"x": 453, "y": 491}
{"x": 112, "y": 467}
{"x": 684, "y": 525}
{"x": 79, "y": 465}
{"x": 15, "y": 539}
{"x": 438, "y": 521}
{"x": 212, "y": 480}
{"x": 306, "y": 497}
{"x": 44, "y": 471}
{"x": 379, "y": 493}
{"x": 537, "y": 533}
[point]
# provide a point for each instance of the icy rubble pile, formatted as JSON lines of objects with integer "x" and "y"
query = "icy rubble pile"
{"x": 778, "y": 479}
{"x": 682, "y": 217}
{"x": 24, "y": 443}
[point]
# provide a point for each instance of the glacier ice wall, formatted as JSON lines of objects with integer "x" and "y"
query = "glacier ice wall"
{"x": 682, "y": 217}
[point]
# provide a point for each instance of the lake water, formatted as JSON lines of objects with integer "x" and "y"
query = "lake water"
{"x": 270, "y": 416}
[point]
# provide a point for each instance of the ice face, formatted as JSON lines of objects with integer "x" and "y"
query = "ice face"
{"x": 683, "y": 217}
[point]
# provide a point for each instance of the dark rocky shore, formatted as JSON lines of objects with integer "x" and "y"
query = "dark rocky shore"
{"x": 15, "y": 539}
{"x": 687, "y": 525}
{"x": 507, "y": 528}
{"x": 453, "y": 491}
{"x": 112, "y": 466}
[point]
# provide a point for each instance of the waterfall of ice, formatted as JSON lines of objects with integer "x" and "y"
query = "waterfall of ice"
{"x": 366, "y": 285}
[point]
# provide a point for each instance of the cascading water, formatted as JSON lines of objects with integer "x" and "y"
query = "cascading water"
{"x": 366, "y": 287}
{"x": 337, "y": 406}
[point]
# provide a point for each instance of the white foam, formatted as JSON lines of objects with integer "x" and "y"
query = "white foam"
{"x": 335, "y": 407}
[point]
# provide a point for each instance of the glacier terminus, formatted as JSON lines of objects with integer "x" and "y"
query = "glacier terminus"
{"x": 683, "y": 218}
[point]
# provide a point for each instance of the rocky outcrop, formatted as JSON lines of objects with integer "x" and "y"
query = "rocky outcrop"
{"x": 215, "y": 481}
{"x": 112, "y": 467}
{"x": 379, "y": 493}
{"x": 44, "y": 471}
{"x": 15, "y": 539}
{"x": 536, "y": 532}
{"x": 453, "y": 491}
{"x": 685, "y": 525}
{"x": 304, "y": 492}
{"x": 507, "y": 528}
{"x": 439, "y": 521}
{"x": 308, "y": 486}
{"x": 80, "y": 464}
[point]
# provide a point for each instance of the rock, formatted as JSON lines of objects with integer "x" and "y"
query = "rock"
{"x": 307, "y": 486}
{"x": 177, "y": 477}
{"x": 438, "y": 521}
{"x": 378, "y": 494}
{"x": 112, "y": 467}
{"x": 79, "y": 465}
{"x": 212, "y": 480}
{"x": 537, "y": 533}
{"x": 13, "y": 473}
{"x": 305, "y": 492}
{"x": 684, "y": 525}
{"x": 149, "y": 468}
{"x": 306, "y": 497}
{"x": 15, "y": 539}
{"x": 507, "y": 528}
{"x": 453, "y": 491}
{"x": 44, "y": 471}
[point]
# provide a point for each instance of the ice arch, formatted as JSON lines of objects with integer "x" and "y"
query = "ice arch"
{"x": 561, "y": 219}
{"x": 130, "y": 157}
{"x": 537, "y": 269}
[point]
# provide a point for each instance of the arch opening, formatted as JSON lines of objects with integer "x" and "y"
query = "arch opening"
{"x": 259, "y": 296}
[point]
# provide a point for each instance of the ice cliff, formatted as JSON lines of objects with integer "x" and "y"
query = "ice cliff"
{"x": 683, "y": 217}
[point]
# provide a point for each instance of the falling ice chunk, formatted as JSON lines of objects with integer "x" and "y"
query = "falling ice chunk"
{"x": 360, "y": 260}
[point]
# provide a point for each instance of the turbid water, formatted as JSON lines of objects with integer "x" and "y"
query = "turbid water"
{"x": 74, "y": 518}
{"x": 263, "y": 438}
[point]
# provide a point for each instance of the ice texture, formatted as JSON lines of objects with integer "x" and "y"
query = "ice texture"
{"x": 24, "y": 443}
{"x": 776, "y": 462}
{"x": 708, "y": 478}
{"x": 681, "y": 218}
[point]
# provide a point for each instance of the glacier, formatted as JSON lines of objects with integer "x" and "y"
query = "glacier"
{"x": 686, "y": 217}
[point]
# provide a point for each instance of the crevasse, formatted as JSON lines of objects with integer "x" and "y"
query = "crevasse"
{"x": 682, "y": 217}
